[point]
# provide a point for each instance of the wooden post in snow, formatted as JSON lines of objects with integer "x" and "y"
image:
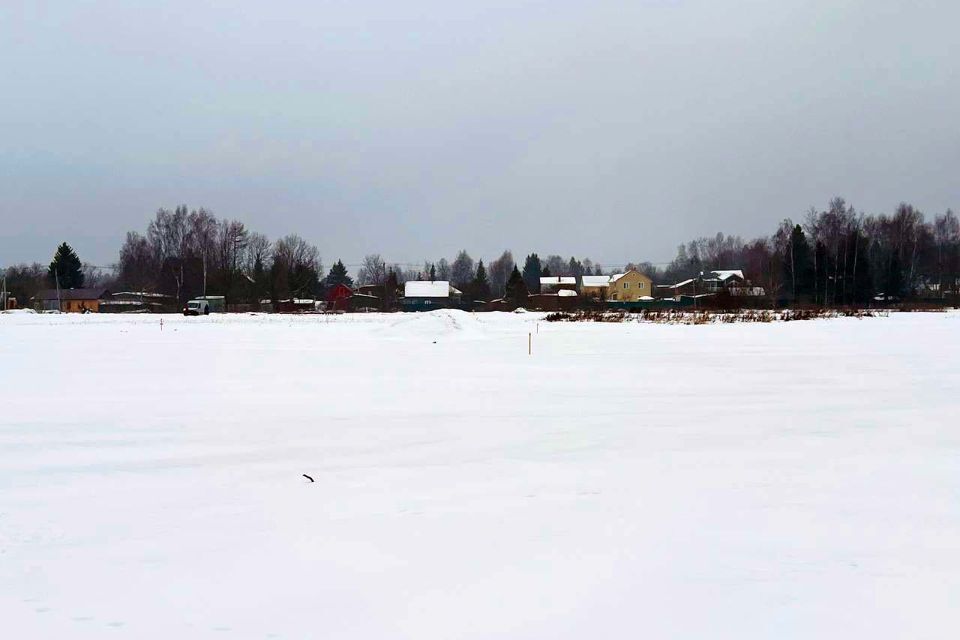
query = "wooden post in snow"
{"x": 529, "y": 344}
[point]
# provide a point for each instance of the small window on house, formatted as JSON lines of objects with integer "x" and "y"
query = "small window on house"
{"x": 639, "y": 285}
{"x": 626, "y": 285}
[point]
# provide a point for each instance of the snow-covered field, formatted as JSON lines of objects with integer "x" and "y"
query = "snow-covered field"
{"x": 790, "y": 480}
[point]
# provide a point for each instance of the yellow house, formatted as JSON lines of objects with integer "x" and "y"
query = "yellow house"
{"x": 630, "y": 286}
{"x": 69, "y": 300}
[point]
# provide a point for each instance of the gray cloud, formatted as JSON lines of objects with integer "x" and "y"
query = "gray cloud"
{"x": 614, "y": 130}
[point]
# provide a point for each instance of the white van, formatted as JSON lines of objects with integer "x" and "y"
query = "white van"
{"x": 197, "y": 308}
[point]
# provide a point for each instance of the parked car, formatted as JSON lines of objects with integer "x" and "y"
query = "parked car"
{"x": 197, "y": 308}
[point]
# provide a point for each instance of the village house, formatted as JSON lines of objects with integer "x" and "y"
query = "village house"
{"x": 717, "y": 281}
{"x": 560, "y": 300}
{"x": 686, "y": 287}
{"x": 294, "y": 305}
{"x": 553, "y": 284}
{"x": 362, "y": 300}
{"x": 597, "y": 287}
{"x": 730, "y": 281}
{"x": 338, "y": 297}
{"x": 426, "y": 295}
{"x": 631, "y": 286}
{"x": 138, "y": 302}
{"x": 69, "y": 300}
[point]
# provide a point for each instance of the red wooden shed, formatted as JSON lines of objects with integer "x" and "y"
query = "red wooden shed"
{"x": 338, "y": 298}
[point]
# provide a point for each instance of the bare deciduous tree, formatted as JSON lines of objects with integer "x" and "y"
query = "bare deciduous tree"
{"x": 443, "y": 269}
{"x": 499, "y": 272}
{"x": 462, "y": 270}
{"x": 373, "y": 270}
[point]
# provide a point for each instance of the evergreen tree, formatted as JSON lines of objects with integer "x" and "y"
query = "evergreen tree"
{"x": 433, "y": 272}
{"x": 480, "y": 287}
{"x": 338, "y": 275}
{"x": 798, "y": 265}
{"x": 544, "y": 274}
{"x": 516, "y": 288}
{"x": 532, "y": 272}
{"x": 65, "y": 268}
{"x": 390, "y": 288}
{"x": 260, "y": 277}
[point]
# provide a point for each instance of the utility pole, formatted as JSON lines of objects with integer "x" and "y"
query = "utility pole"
{"x": 56, "y": 275}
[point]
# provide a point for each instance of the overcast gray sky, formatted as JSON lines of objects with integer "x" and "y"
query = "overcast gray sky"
{"x": 613, "y": 130}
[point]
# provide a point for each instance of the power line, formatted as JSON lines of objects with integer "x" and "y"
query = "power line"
{"x": 391, "y": 263}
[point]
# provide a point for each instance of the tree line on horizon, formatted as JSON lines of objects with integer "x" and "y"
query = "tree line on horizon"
{"x": 835, "y": 256}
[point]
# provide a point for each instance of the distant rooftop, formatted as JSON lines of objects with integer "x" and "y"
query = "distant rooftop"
{"x": 427, "y": 289}
{"x": 596, "y": 281}
{"x": 71, "y": 294}
{"x": 728, "y": 273}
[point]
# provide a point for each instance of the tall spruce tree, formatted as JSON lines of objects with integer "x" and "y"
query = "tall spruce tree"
{"x": 516, "y": 289}
{"x": 260, "y": 285}
{"x": 65, "y": 269}
{"x": 531, "y": 272}
{"x": 338, "y": 275}
{"x": 798, "y": 265}
{"x": 480, "y": 287}
{"x": 390, "y": 288}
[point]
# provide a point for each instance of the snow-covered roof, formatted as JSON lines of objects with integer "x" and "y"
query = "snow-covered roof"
{"x": 427, "y": 289}
{"x": 680, "y": 284}
{"x": 728, "y": 273}
{"x": 558, "y": 280}
{"x": 596, "y": 281}
{"x": 617, "y": 276}
{"x": 141, "y": 294}
{"x": 566, "y": 293}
